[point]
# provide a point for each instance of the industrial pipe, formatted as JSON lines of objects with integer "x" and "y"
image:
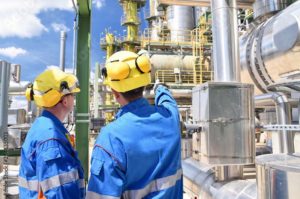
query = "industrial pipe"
{"x": 200, "y": 182}
{"x": 283, "y": 111}
{"x": 17, "y": 88}
{"x": 225, "y": 41}
{"x": 63, "y": 36}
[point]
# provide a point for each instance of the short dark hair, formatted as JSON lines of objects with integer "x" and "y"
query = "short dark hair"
{"x": 133, "y": 94}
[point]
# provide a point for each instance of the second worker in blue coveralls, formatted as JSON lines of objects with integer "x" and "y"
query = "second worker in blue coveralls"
{"x": 138, "y": 155}
{"x": 49, "y": 166}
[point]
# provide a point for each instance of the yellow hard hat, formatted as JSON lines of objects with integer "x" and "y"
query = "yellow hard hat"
{"x": 125, "y": 71}
{"x": 49, "y": 87}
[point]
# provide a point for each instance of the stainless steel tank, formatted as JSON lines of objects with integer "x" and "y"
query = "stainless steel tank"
{"x": 270, "y": 51}
{"x": 278, "y": 176}
{"x": 180, "y": 18}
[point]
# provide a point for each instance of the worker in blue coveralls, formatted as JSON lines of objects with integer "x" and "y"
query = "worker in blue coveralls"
{"x": 49, "y": 166}
{"x": 138, "y": 154}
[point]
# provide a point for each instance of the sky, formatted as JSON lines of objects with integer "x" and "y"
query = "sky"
{"x": 30, "y": 32}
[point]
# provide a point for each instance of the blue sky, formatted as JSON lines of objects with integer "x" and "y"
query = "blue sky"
{"x": 30, "y": 32}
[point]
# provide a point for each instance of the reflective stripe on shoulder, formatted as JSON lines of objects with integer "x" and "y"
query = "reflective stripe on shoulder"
{"x": 32, "y": 185}
{"x": 155, "y": 185}
{"x": 94, "y": 195}
{"x": 60, "y": 180}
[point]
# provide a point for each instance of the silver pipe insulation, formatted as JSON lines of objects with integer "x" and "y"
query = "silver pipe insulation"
{"x": 62, "y": 56}
{"x": 17, "y": 88}
{"x": 283, "y": 112}
{"x": 225, "y": 41}
{"x": 270, "y": 51}
{"x": 200, "y": 182}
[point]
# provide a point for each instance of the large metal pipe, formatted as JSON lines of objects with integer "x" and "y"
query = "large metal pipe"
{"x": 62, "y": 58}
{"x": 270, "y": 50}
{"x": 199, "y": 182}
{"x": 4, "y": 83}
{"x": 283, "y": 112}
{"x": 225, "y": 41}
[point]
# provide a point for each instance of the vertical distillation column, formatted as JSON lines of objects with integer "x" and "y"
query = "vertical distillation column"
{"x": 131, "y": 21}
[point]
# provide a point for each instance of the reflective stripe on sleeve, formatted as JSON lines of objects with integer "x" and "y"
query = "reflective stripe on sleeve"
{"x": 81, "y": 183}
{"x": 32, "y": 185}
{"x": 94, "y": 195}
{"x": 156, "y": 185}
{"x": 59, "y": 180}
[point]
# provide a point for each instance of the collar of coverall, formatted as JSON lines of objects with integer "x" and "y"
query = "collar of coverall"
{"x": 55, "y": 120}
{"x": 135, "y": 104}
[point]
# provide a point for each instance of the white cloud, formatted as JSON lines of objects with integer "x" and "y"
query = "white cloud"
{"x": 19, "y": 17}
{"x": 57, "y": 27}
{"x": 98, "y": 3}
{"x": 12, "y": 52}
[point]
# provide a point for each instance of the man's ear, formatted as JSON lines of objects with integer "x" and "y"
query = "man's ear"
{"x": 64, "y": 101}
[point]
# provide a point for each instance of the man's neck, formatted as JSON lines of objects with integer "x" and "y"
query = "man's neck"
{"x": 57, "y": 113}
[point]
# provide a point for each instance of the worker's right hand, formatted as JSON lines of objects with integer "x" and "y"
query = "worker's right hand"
{"x": 158, "y": 83}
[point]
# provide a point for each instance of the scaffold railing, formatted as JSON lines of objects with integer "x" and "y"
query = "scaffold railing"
{"x": 157, "y": 36}
{"x": 182, "y": 76}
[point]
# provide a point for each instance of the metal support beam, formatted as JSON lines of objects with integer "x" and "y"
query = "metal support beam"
{"x": 83, "y": 72}
{"x": 202, "y": 3}
{"x": 4, "y": 84}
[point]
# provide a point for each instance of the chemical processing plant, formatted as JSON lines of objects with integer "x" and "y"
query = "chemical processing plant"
{"x": 233, "y": 67}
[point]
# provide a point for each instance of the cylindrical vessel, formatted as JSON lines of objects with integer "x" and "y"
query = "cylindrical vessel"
{"x": 180, "y": 19}
{"x": 170, "y": 62}
{"x": 165, "y": 62}
{"x": 278, "y": 176}
{"x": 270, "y": 50}
{"x": 225, "y": 43}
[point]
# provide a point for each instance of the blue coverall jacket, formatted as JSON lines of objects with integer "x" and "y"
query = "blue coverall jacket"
{"x": 49, "y": 162}
{"x": 138, "y": 155}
